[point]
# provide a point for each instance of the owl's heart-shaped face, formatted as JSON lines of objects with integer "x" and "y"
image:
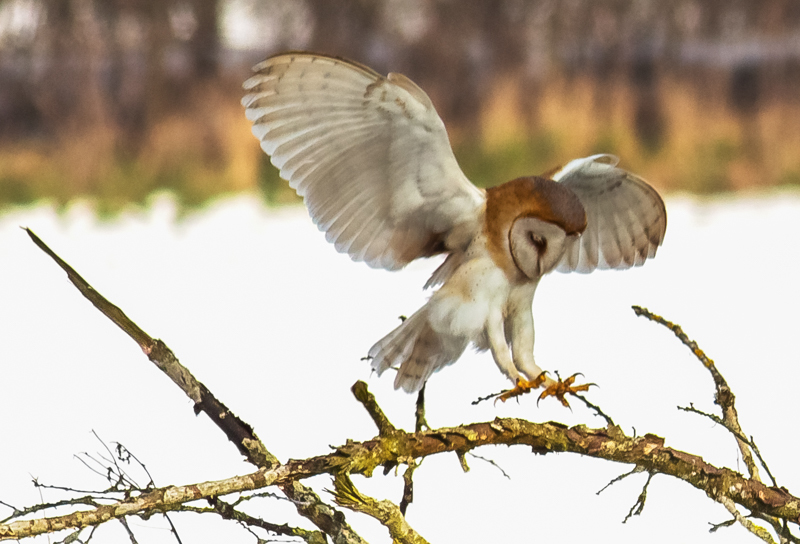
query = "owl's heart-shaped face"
{"x": 371, "y": 158}
{"x": 536, "y": 246}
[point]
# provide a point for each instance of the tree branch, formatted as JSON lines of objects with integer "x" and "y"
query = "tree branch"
{"x": 330, "y": 520}
{"x": 740, "y": 437}
{"x": 228, "y": 511}
{"x": 237, "y": 431}
{"x": 760, "y": 532}
{"x": 648, "y": 451}
{"x": 367, "y": 399}
{"x": 724, "y": 397}
{"x": 385, "y": 512}
{"x": 240, "y": 433}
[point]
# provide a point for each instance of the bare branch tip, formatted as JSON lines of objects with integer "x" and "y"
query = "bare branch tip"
{"x": 638, "y": 506}
{"x": 367, "y": 399}
{"x": 462, "y": 460}
{"x": 361, "y": 391}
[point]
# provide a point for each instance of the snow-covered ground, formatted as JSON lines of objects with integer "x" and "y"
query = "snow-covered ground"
{"x": 274, "y": 321}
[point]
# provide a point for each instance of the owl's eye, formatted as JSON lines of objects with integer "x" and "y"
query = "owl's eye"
{"x": 537, "y": 241}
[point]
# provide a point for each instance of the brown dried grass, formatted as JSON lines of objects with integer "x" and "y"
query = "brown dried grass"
{"x": 206, "y": 149}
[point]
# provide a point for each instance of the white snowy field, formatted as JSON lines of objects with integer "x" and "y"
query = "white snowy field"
{"x": 274, "y": 322}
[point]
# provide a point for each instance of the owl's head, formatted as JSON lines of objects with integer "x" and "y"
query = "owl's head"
{"x": 530, "y": 222}
{"x": 536, "y": 246}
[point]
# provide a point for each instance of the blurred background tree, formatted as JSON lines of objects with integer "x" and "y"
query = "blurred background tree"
{"x": 113, "y": 99}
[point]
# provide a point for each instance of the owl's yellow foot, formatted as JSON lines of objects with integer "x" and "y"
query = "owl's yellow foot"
{"x": 558, "y": 389}
{"x": 522, "y": 387}
{"x": 561, "y": 388}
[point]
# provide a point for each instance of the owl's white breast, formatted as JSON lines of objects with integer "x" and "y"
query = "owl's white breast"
{"x": 475, "y": 290}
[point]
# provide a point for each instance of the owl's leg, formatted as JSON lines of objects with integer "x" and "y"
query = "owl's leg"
{"x": 495, "y": 332}
{"x": 520, "y": 323}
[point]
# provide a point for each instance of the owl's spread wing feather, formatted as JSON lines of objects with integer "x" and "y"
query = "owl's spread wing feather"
{"x": 626, "y": 218}
{"x": 369, "y": 155}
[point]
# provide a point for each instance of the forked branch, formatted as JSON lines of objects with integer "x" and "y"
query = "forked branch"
{"x": 724, "y": 397}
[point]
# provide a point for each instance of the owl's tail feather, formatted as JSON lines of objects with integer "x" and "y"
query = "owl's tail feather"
{"x": 416, "y": 350}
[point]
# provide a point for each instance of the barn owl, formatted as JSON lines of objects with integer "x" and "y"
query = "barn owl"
{"x": 372, "y": 160}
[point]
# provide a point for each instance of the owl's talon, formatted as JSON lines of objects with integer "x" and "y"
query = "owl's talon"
{"x": 561, "y": 388}
{"x": 522, "y": 387}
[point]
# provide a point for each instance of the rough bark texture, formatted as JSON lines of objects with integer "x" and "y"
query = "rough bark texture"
{"x": 611, "y": 443}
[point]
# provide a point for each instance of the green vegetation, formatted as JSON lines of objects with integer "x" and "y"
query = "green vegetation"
{"x": 703, "y": 149}
{"x": 515, "y": 158}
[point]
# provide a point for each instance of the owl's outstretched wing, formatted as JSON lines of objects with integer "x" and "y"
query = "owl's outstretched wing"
{"x": 369, "y": 155}
{"x": 625, "y": 217}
